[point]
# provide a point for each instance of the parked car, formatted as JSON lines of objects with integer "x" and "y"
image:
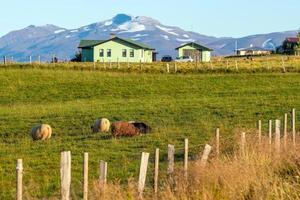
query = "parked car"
{"x": 167, "y": 59}
{"x": 184, "y": 59}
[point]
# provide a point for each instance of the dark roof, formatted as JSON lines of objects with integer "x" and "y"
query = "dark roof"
{"x": 89, "y": 43}
{"x": 254, "y": 49}
{"x": 92, "y": 43}
{"x": 196, "y": 46}
{"x": 292, "y": 39}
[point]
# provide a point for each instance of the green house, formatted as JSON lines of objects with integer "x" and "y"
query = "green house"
{"x": 198, "y": 52}
{"x": 115, "y": 49}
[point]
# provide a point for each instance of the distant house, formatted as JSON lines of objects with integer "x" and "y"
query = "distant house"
{"x": 290, "y": 45}
{"x": 198, "y": 52}
{"x": 115, "y": 49}
{"x": 253, "y": 51}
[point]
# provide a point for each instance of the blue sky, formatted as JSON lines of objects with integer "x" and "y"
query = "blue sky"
{"x": 213, "y": 17}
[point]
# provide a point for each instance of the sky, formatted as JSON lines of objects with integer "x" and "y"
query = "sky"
{"x": 221, "y": 18}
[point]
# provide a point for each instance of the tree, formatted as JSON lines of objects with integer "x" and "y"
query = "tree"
{"x": 77, "y": 57}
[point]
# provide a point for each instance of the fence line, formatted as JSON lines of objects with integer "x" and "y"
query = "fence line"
{"x": 279, "y": 64}
{"x": 65, "y": 162}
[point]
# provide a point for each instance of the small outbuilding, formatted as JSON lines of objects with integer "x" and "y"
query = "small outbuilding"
{"x": 197, "y": 52}
{"x": 253, "y": 51}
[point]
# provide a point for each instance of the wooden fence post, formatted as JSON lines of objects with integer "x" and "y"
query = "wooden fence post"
{"x": 103, "y": 173}
{"x": 285, "y": 130}
{"x": 270, "y": 132}
{"x": 218, "y": 142}
{"x": 30, "y": 60}
{"x": 104, "y": 65}
{"x": 143, "y": 173}
{"x": 294, "y": 121}
{"x": 171, "y": 152}
{"x": 156, "y": 168}
{"x": 19, "y": 182}
{"x": 236, "y": 65}
{"x": 65, "y": 175}
{"x": 227, "y": 64}
{"x": 141, "y": 65}
{"x": 205, "y": 155}
{"x": 175, "y": 67}
{"x": 168, "y": 68}
{"x": 294, "y": 126}
{"x": 85, "y": 175}
{"x": 283, "y": 65}
{"x": 186, "y": 157}
{"x": 243, "y": 143}
{"x": 277, "y": 135}
{"x": 259, "y": 132}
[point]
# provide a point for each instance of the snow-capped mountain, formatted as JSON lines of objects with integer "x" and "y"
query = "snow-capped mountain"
{"x": 46, "y": 41}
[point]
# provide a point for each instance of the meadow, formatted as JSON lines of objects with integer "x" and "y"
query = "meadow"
{"x": 177, "y": 106}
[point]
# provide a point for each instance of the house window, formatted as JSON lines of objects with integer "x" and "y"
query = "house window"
{"x": 108, "y": 53}
{"x": 131, "y": 53}
{"x": 124, "y": 53}
{"x": 101, "y": 53}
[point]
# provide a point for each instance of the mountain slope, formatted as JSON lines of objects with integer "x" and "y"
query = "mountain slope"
{"x": 49, "y": 40}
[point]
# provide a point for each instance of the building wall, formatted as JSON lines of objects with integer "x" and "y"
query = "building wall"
{"x": 117, "y": 50}
{"x": 206, "y": 55}
{"x": 243, "y": 53}
{"x": 180, "y": 50}
{"x": 87, "y": 55}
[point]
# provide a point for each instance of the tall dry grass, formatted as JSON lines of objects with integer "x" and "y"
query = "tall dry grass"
{"x": 260, "y": 174}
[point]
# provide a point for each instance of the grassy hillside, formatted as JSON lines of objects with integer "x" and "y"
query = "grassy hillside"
{"x": 176, "y": 106}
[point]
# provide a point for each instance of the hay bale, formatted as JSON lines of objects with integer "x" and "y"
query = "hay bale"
{"x": 41, "y": 132}
{"x": 124, "y": 129}
{"x": 101, "y": 125}
{"x": 142, "y": 127}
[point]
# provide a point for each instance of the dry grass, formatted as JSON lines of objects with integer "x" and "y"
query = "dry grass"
{"x": 260, "y": 174}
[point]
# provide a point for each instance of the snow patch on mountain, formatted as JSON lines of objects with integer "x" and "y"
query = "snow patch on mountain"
{"x": 268, "y": 44}
{"x": 168, "y": 30}
{"x": 73, "y": 31}
{"x": 184, "y": 40}
{"x": 59, "y": 31}
{"x": 165, "y": 37}
{"x": 135, "y": 39}
{"x": 131, "y": 27}
{"x": 186, "y": 36}
{"x": 140, "y": 35}
{"x": 108, "y": 23}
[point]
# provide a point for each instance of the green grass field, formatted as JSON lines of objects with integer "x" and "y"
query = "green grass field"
{"x": 175, "y": 105}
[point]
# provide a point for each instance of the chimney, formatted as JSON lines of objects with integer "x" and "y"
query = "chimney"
{"x": 112, "y": 35}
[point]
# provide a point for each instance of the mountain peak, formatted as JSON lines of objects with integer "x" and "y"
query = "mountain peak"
{"x": 121, "y": 19}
